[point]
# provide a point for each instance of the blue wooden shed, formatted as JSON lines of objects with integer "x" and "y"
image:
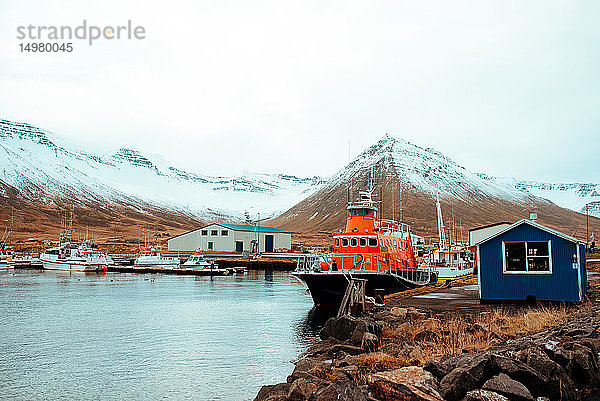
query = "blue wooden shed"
{"x": 526, "y": 261}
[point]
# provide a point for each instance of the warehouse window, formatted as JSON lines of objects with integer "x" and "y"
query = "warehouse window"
{"x": 527, "y": 257}
{"x": 214, "y": 232}
{"x": 204, "y": 232}
{"x": 224, "y": 232}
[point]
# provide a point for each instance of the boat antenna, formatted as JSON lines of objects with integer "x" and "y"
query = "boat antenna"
{"x": 393, "y": 205}
{"x": 401, "y": 210}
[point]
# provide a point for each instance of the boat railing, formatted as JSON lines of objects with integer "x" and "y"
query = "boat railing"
{"x": 362, "y": 262}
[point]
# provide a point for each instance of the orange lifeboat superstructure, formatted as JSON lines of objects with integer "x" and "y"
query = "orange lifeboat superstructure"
{"x": 372, "y": 248}
{"x": 377, "y": 245}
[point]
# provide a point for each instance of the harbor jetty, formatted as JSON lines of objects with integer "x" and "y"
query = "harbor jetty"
{"x": 442, "y": 344}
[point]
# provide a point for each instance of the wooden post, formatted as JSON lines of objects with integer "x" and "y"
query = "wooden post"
{"x": 354, "y": 298}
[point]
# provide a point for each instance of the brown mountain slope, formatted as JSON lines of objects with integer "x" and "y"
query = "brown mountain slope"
{"x": 42, "y": 219}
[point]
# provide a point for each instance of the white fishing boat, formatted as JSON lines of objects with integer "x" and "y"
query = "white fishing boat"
{"x": 197, "y": 261}
{"x": 450, "y": 260}
{"x": 6, "y": 261}
{"x": 6, "y": 252}
{"x": 73, "y": 257}
{"x": 25, "y": 261}
{"x": 153, "y": 258}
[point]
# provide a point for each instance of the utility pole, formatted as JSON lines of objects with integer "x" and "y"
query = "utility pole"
{"x": 587, "y": 220}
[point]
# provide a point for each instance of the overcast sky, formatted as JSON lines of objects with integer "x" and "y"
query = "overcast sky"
{"x": 220, "y": 87}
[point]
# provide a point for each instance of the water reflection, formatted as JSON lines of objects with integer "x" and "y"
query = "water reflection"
{"x": 308, "y": 328}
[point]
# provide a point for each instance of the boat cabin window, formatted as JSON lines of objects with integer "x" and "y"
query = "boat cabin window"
{"x": 344, "y": 241}
{"x": 204, "y": 232}
{"x": 395, "y": 244}
{"x": 363, "y": 242}
{"x": 387, "y": 243}
{"x": 224, "y": 232}
{"x": 357, "y": 212}
{"x": 214, "y": 232}
{"x": 337, "y": 242}
{"x": 381, "y": 242}
{"x": 353, "y": 242}
{"x": 52, "y": 252}
{"x": 368, "y": 212}
{"x": 372, "y": 241}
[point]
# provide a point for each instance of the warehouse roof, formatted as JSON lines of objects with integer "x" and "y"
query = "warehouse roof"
{"x": 247, "y": 227}
{"x": 238, "y": 227}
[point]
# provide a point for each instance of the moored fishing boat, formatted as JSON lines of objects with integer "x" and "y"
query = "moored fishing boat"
{"x": 370, "y": 248}
{"x": 198, "y": 264}
{"x": 71, "y": 257}
{"x": 153, "y": 258}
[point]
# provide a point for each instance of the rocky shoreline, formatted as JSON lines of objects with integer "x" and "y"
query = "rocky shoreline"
{"x": 384, "y": 355}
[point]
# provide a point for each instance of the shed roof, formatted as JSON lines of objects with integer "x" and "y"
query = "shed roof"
{"x": 489, "y": 225}
{"x": 533, "y": 224}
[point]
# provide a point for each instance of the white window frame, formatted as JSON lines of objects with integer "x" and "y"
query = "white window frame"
{"x": 527, "y": 259}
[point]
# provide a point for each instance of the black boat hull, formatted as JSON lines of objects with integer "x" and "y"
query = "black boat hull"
{"x": 328, "y": 288}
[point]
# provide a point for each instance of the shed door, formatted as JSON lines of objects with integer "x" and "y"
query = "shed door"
{"x": 239, "y": 246}
{"x": 268, "y": 243}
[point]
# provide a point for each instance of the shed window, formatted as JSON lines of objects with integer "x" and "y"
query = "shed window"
{"x": 214, "y": 232}
{"x": 353, "y": 242}
{"x": 527, "y": 257}
{"x": 337, "y": 242}
{"x": 224, "y": 232}
{"x": 344, "y": 241}
{"x": 372, "y": 241}
{"x": 363, "y": 242}
{"x": 204, "y": 232}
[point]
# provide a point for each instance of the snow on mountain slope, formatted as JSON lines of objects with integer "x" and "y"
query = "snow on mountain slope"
{"x": 32, "y": 162}
{"x": 426, "y": 170}
{"x": 574, "y": 196}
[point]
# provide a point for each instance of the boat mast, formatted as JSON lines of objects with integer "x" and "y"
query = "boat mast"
{"x": 440, "y": 223}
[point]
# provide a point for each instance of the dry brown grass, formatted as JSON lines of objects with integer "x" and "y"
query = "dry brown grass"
{"x": 467, "y": 334}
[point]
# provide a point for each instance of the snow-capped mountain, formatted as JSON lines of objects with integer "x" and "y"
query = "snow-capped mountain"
{"x": 34, "y": 163}
{"x": 409, "y": 178}
{"x": 574, "y": 196}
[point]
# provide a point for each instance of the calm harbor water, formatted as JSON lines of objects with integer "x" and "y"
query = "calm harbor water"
{"x": 128, "y": 336}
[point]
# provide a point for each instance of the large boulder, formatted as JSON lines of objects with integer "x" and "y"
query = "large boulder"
{"x": 557, "y": 353}
{"x": 484, "y": 395}
{"x": 341, "y": 328}
{"x": 584, "y": 366}
{"x": 341, "y": 391}
{"x": 301, "y": 390}
{"x": 407, "y": 383}
{"x": 512, "y": 389}
{"x": 455, "y": 385}
{"x": 276, "y": 392}
{"x": 561, "y": 387}
{"x": 519, "y": 371}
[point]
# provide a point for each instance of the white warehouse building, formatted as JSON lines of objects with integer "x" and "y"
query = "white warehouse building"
{"x": 222, "y": 237}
